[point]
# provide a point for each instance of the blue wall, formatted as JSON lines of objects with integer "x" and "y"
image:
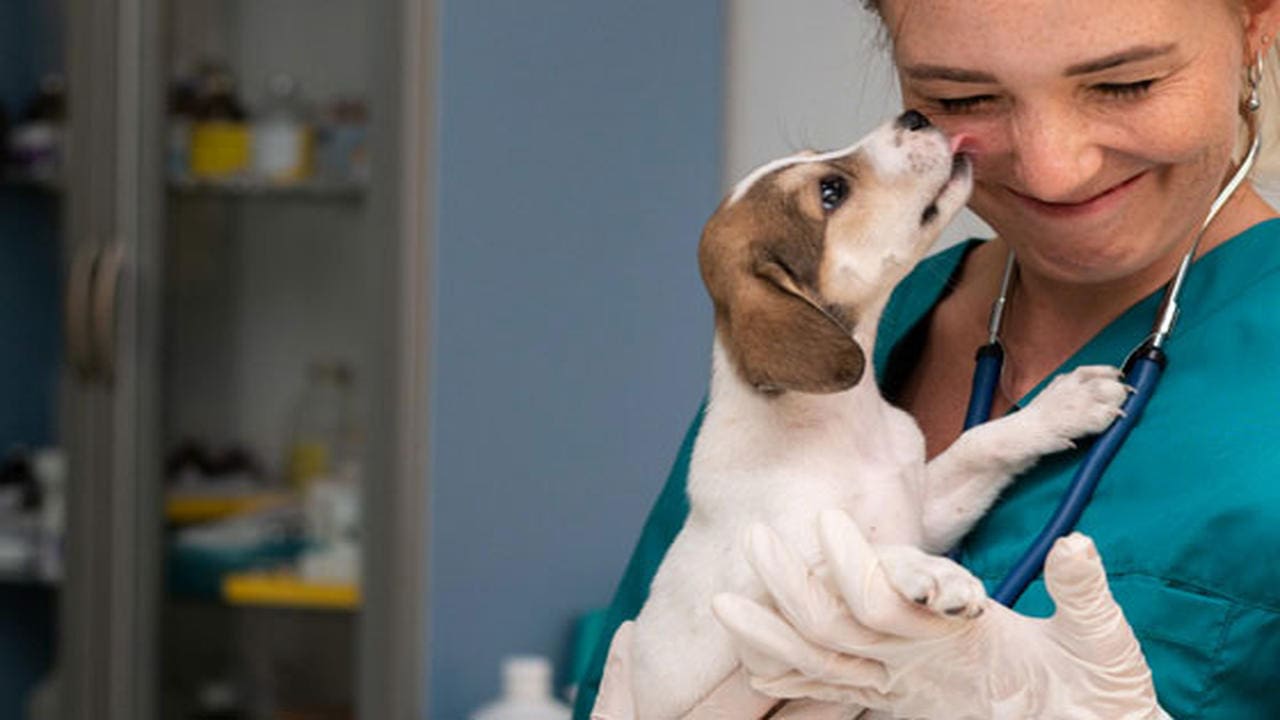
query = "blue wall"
{"x": 580, "y": 154}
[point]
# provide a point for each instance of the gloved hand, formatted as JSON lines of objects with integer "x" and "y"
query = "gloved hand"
{"x": 733, "y": 699}
{"x": 873, "y": 647}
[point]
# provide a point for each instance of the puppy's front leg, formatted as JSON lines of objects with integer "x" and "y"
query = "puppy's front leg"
{"x": 963, "y": 481}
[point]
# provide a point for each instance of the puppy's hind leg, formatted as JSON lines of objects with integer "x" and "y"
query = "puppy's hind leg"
{"x": 676, "y": 661}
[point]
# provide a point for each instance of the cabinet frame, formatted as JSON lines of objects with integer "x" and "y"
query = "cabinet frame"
{"x": 109, "y": 608}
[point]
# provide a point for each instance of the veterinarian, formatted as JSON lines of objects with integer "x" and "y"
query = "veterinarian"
{"x": 1101, "y": 131}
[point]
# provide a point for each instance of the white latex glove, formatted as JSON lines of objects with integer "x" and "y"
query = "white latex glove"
{"x": 872, "y": 646}
{"x": 732, "y": 699}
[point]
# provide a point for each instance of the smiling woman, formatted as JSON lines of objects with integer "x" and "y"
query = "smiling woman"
{"x": 1100, "y": 132}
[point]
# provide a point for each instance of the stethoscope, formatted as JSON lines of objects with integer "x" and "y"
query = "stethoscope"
{"x": 1142, "y": 370}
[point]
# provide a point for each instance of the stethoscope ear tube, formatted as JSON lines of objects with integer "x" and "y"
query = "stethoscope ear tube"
{"x": 1142, "y": 373}
{"x": 986, "y": 376}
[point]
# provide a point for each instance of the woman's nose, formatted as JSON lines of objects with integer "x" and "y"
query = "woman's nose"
{"x": 1054, "y": 157}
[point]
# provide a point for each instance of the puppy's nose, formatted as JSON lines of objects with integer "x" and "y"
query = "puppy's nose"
{"x": 913, "y": 120}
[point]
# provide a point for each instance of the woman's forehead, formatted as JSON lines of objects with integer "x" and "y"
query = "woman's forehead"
{"x": 983, "y": 32}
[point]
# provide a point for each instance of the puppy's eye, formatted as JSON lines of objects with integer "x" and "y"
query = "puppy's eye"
{"x": 833, "y": 189}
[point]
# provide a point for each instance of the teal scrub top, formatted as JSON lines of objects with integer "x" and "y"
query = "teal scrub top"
{"x": 1187, "y": 517}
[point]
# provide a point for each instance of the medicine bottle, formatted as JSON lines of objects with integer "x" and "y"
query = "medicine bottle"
{"x": 325, "y": 434}
{"x": 526, "y": 693}
{"x": 219, "y": 135}
{"x": 282, "y": 139}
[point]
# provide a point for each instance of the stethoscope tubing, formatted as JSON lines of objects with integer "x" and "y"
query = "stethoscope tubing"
{"x": 986, "y": 377}
{"x": 1143, "y": 375}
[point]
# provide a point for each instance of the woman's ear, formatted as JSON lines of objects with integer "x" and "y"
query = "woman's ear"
{"x": 1261, "y": 24}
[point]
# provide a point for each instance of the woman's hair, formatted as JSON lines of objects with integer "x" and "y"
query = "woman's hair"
{"x": 1267, "y": 168}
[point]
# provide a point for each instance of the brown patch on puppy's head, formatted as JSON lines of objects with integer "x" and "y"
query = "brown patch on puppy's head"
{"x": 807, "y": 245}
{"x": 761, "y": 257}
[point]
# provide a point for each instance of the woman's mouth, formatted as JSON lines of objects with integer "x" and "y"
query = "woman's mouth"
{"x": 1097, "y": 203}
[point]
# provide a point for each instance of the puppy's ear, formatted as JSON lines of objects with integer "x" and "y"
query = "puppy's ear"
{"x": 777, "y": 333}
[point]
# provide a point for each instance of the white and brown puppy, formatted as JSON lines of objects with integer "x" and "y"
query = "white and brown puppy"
{"x": 800, "y": 260}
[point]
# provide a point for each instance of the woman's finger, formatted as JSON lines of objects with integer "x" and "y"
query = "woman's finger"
{"x": 820, "y": 700}
{"x": 733, "y": 698}
{"x": 614, "y": 701}
{"x": 769, "y": 648}
{"x": 808, "y": 603}
{"x": 817, "y": 710}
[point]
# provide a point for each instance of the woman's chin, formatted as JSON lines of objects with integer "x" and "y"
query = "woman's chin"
{"x": 1084, "y": 261}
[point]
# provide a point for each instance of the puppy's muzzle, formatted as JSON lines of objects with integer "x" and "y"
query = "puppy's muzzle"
{"x": 913, "y": 121}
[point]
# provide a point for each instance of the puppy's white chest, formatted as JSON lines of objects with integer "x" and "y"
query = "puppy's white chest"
{"x": 849, "y": 452}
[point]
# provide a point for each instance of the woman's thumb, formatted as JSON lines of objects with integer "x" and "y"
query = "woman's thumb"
{"x": 1087, "y": 616}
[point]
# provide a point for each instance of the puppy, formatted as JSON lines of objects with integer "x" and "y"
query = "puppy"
{"x": 800, "y": 261}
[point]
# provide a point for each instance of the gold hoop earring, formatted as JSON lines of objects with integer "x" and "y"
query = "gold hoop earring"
{"x": 1254, "y": 103}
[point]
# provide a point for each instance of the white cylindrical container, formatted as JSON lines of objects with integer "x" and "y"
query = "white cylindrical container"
{"x": 526, "y": 693}
{"x": 281, "y": 136}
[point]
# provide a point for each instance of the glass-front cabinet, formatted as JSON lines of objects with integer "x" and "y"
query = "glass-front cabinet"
{"x": 212, "y": 255}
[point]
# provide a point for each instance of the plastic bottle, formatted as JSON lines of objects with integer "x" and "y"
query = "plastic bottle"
{"x": 526, "y": 693}
{"x": 282, "y": 145}
{"x": 342, "y": 152}
{"x": 325, "y": 433}
{"x": 50, "y": 468}
{"x": 219, "y": 135}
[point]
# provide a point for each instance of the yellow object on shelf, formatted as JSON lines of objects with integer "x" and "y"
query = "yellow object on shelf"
{"x": 280, "y": 589}
{"x": 185, "y": 509}
{"x": 219, "y": 148}
{"x": 308, "y": 460}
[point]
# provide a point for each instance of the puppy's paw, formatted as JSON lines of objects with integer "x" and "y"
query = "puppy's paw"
{"x": 934, "y": 582}
{"x": 1082, "y": 402}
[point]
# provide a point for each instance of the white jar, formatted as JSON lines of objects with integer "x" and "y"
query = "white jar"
{"x": 281, "y": 136}
{"x": 526, "y": 693}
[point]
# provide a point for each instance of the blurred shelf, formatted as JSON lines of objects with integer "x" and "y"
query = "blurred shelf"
{"x": 317, "y": 189}
{"x": 286, "y": 590}
{"x": 186, "y": 508}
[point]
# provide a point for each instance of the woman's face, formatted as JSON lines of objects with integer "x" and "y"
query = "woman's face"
{"x": 1100, "y": 129}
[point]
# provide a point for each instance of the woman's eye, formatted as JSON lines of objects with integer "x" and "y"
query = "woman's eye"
{"x": 1125, "y": 91}
{"x": 963, "y": 104}
{"x": 833, "y": 189}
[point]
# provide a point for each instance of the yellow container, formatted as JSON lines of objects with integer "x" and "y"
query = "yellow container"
{"x": 308, "y": 459}
{"x": 219, "y": 149}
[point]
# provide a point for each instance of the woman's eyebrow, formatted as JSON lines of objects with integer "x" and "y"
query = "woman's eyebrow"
{"x": 942, "y": 72}
{"x": 962, "y": 75}
{"x": 1133, "y": 54}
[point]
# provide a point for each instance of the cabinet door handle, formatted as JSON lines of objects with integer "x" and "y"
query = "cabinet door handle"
{"x": 102, "y": 318}
{"x": 76, "y": 310}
